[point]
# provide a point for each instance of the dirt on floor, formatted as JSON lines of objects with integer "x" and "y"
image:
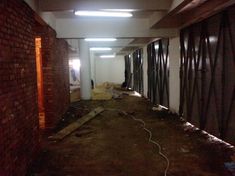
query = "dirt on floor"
{"x": 113, "y": 144}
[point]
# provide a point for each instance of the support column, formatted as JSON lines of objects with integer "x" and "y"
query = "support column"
{"x": 174, "y": 80}
{"x": 85, "y": 73}
{"x": 145, "y": 67}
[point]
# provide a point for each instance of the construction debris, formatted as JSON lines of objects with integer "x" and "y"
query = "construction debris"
{"x": 105, "y": 91}
{"x": 160, "y": 108}
{"x": 75, "y": 125}
{"x": 101, "y": 94}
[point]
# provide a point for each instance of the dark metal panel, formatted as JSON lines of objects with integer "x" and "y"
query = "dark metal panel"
{"x": 207, "y": 74}
{"x": 158, "y": 72}
{"x": 128, "y": 74}
{"x": 151, "y": 71}
{"x": 138, "y": 71}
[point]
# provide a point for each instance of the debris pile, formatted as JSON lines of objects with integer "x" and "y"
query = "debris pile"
{"x": 106, "y": 91}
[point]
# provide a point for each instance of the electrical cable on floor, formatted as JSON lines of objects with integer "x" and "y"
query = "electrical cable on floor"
{"x": 150, "y": 137}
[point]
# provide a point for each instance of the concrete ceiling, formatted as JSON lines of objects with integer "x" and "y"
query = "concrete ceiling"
{"x": 131, "y": 33}
{"x": 151, "y": 19}
{"x": 58, "y": 5}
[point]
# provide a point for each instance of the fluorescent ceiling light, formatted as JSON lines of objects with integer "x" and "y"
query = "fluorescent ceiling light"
{"x": 100, "y": 49}
{"x": 103, "y": 14}
{"x": 100, "y": 39}
{"x": 119, "y": 10}
{"x": 107, "y": 56}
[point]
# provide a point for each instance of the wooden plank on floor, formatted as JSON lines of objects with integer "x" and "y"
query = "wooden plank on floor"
{"x": 75, "y": 125}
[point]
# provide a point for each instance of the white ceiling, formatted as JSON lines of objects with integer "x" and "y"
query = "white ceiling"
{"x": 116, "y": 46}
{"x": 58, "y": 5}
{"x": 131, "y": 32}
{"x": 70, "y": 27}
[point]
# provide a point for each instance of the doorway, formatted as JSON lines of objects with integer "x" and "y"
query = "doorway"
{"x": 41, "y": 109}
{"x": 74, "y": 78}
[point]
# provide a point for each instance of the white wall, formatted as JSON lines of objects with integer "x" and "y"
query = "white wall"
{"x": 109, "y": 70}
{"x": 174, "y": 82}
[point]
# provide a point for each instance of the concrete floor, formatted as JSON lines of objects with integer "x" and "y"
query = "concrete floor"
{"x": 116, "y": 145}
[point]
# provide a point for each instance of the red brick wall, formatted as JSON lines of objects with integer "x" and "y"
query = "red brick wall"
{"x": 61, "y": 79}
{"x": 55, "y": 75}
{"x": 19, "y": 132}
{"x": 18, "y": 89}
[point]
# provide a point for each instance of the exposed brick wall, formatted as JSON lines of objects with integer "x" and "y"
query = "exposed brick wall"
{"x": 19, "y": 135}
{"x": 55, "y": 75}
{"x": 19, "y": 132}
{"x": 61, "y": 81}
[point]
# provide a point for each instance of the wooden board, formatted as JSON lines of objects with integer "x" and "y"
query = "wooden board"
{"x": 75, "y": 125}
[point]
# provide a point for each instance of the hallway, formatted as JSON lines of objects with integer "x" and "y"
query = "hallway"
{"x": 58, "y": 57}
{"x": 113, "y": 144}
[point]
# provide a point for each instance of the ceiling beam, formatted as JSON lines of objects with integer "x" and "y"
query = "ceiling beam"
{"x": 188, "y": 13}
{"x": 176, "y": 3}
{"x": 58, "y": 5}
{"x": 34, "y": 4}
{"x": 206, "y": 10}
{"x": 173, "y": 17}
{"x": 156, "y": 17}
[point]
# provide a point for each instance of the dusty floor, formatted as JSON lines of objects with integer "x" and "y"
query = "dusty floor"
{"x": 116, "y": 145}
